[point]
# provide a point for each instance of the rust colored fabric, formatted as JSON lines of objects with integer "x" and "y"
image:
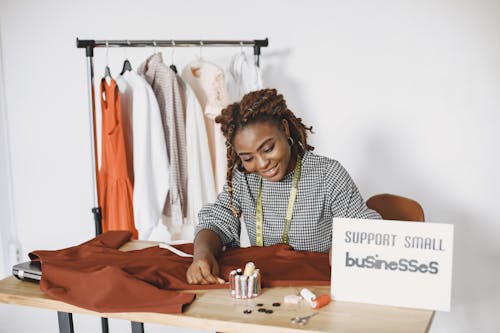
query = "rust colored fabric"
{"x": 97, "y": 276}
{"x": 113, "y": 183}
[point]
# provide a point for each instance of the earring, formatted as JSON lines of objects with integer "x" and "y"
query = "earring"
{"x": 290, "y": 141}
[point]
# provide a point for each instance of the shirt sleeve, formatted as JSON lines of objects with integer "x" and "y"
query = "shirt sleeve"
{"x": 219, "y": 218}
{"x": 345, "y": 199}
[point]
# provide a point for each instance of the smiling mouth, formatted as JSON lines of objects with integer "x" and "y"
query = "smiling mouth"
{"x": 271, "y": 172}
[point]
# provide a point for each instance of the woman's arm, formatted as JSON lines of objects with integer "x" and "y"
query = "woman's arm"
{"x": 205, "y": 269}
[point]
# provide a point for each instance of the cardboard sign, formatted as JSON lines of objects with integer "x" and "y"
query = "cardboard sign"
{"x": 397, "y": 263}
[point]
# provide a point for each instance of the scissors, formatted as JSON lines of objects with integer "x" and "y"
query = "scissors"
{"x": 302, "y": 320}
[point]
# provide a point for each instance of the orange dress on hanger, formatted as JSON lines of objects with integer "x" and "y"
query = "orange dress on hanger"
{"x": 113, "y": 184}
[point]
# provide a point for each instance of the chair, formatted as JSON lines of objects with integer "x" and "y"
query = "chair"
{"x": 395, "y": 207}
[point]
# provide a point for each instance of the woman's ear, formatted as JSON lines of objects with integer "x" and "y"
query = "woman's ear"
{"x": 286, "y": 129}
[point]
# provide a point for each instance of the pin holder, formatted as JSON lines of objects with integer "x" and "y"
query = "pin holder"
{"x": 245, "y": 284}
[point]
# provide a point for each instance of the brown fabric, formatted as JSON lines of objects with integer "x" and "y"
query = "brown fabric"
{"x": 97, "y": 276}
{"x": 395, "y": 207}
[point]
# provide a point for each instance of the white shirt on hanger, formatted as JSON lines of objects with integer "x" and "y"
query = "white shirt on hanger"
{"x": 243, "y": 76}
{"x": 126, "y": 111}
{"x": 208, "y": 83}
{"x": 151, "y": 165}
{"x": 201, "y": 188}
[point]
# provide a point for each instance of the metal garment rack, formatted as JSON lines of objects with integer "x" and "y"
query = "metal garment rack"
{"x": 65, "y": 319}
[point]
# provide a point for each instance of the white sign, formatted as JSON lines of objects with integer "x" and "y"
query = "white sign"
{"x": 397, "y": 263}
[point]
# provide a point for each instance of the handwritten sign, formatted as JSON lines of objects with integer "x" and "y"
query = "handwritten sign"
{"x": 397, "y": 263}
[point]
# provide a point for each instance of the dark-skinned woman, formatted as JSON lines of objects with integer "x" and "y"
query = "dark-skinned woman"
{"x": 283, "y": 191}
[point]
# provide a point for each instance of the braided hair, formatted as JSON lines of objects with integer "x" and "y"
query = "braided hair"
{"x": 259, "y": 106}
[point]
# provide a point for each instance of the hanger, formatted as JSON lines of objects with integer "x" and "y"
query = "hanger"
{"x": 127, "y": 67}
{"x": 107, "y": 71}
{"x": 201, "y": 46}
{"x": 195, "y": 66}
{"x": 172, "y": 66}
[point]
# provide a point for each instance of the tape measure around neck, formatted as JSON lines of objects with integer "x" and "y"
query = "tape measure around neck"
{"x": 289, "y": 211}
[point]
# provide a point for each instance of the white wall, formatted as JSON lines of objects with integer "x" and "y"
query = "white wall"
{"x": 406, "y": 94}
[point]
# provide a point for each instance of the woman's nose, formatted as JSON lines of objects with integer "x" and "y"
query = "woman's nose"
{"x": 262, "y": 162}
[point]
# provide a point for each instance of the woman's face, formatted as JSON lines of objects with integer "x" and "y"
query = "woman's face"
{"x": 264, "y": 149}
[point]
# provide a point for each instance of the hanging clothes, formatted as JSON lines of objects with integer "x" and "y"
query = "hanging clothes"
{"x": 126, "y": 112}
{"x": 243, "y": 76}
{"x": 150, "y": 162}
{"x": 201, "y": 186}
{"x": 114, "y": 187}
{"x": 208, "y": 83}
{"x": 170, "y": 95}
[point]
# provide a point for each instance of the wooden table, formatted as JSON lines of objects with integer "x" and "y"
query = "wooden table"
{"x": 215, "y": 310}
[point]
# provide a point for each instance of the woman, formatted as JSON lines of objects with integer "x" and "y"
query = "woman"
{"x": 272, "y": 176}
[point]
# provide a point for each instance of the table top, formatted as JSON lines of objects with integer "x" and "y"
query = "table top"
{"x": 216, "y": 310}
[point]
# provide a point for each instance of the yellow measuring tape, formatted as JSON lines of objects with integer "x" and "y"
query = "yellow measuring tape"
{"x": 289, "y": 211}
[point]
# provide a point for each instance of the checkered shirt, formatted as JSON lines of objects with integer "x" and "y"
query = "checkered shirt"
{"x": 325, "y": 191}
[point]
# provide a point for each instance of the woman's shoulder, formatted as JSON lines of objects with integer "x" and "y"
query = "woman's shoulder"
{"x": 240, "y": 176}
{"x": 320, "y": 163}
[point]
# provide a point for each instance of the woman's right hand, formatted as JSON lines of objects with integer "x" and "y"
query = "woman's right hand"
{"x": 204, "y": 270}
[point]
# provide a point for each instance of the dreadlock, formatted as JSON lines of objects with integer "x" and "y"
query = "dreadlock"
{"x": 258, "y": 106}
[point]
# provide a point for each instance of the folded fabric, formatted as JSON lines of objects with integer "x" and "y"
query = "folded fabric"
{"x": 97, "y": 276}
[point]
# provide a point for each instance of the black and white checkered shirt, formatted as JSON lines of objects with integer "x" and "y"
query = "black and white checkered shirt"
{"x": 325, "y": 191}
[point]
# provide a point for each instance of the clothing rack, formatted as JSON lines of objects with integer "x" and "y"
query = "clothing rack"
{"x": 90, "y": 44}
{"x": 65, "y": 319}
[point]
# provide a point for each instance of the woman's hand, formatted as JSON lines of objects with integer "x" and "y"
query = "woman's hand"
{"x": 204, "y": 270}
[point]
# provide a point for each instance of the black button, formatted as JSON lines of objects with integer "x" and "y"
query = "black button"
{"x": 269, "y": 311}
{"x": 247, "y": 311}
{"x": 276, "y": 304}
{"x": 262, "y": 310}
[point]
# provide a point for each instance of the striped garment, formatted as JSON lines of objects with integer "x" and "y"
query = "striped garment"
{"x": 170, "y": 93}
{"x": 325, "y": 191}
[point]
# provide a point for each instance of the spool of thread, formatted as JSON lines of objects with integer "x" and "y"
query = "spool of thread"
{"x": 232, "y": 286}
{"x": 308, "y": 295}
{"x": 237, "y": 286}
{"x": 249, "y": 269}
{"x": 244, "y": 286}
{"x": 321, "y": 301}
{"x": 258, "y": 278}
{"x": 251, "y": 282}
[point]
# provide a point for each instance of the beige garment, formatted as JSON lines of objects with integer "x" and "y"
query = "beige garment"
{"x": 201, "y": 187}
{"x": 170, "y": 94}
{"x": 208, "y": 83}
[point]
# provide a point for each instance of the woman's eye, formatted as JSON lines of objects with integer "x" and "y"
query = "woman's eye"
{"x": 246, "y": 159}
{"x": 268, "y": 150}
